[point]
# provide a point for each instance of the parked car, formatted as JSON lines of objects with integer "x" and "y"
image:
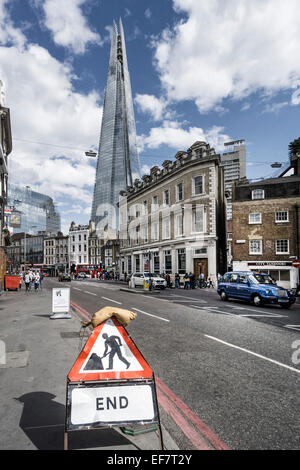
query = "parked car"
{"x": 257, "y": 288}
{"x": 158, "y": 282}
{"x": 82, "y": 276}
{"x": 64, "y": 277}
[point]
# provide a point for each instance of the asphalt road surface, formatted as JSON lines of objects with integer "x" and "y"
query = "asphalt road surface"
{"x": 227, "y": 373}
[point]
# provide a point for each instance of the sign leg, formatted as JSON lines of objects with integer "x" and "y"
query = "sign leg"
{"x": 66, "y": 441}
{"x": 160, "y": 436}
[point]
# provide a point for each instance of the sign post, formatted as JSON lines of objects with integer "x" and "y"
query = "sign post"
{"x": 110, "y": 384}
{"x": 60, "y": 303}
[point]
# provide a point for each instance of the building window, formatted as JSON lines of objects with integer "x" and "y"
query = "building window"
{"x": 145, "y": 234}
{"x": 255, "y": 218}
{"x": 155, "y": 231}
{"x": 282, "y": 216}
{"x": 179, "y": 192}
{"x": 258, "y": 194}
{"x": 179, "y": 225}
{"x": 154, "y": 203}
{"x": 156, "y": 267}
{"x": 198, "y": 186}
{"x": 181, "y": 261}
{"x": 137, "y": 235}
{"x": 282, "y": 247}
{"x": 137, "y": 263}
{"x": 198, "y": 219}
{"x": 145, "y": 207}
{"x": 255, "y": 247}
{"x": 166, "y": 228}
{"x": 166, "y": 197}
{"x": 168, "y": 261}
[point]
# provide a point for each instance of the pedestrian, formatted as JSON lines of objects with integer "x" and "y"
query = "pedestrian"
{"x": 201, "y": 280}
{"x": 177, "y": 280}
{"x": 41, "y": 280}
{"x": 36, "y": 281}
{"x": 168, "y": 279}
{"x": 27, "y": 281}
{"x": 186, "y": 281}
{"x": 209, "y": 281}
{"x": 125, "y": 276}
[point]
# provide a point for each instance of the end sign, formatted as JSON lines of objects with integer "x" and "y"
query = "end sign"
{"x": 97, "y": 405}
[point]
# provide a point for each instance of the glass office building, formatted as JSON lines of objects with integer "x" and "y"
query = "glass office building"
{"x": 32, "y": 212}
{"x": 118, "y": 162}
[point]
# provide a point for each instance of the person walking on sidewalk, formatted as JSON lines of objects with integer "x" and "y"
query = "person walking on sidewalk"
{"x": 27, "y": 281}
{"x": 41, "y": 280}
{"x": 36, "y": 281}
{"x": 186, "y": 280}
{"x": 177, "y": 280}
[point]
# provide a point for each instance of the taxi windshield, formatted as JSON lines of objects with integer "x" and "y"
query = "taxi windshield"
{"x": 264, "y": 278}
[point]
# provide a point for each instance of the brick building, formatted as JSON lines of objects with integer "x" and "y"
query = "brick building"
{"x": 266, "y": 226}
{"x": 174, "y": 220}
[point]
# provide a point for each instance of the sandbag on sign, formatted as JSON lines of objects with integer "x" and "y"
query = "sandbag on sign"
{"x": 122, "y": 315}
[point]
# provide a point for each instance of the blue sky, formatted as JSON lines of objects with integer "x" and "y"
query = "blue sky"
{"x": 200, "y": 70}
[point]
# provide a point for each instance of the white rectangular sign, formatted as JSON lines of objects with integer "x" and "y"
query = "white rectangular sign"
{"x": 112, "y": 404}
{"x": 61, "y": 300}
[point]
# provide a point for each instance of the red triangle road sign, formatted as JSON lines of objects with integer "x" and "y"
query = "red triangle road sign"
{"x": 109, "y": 354}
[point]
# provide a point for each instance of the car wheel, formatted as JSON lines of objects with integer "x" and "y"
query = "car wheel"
{"x": 257, "y": 300}
{"x": 223, "y": 295}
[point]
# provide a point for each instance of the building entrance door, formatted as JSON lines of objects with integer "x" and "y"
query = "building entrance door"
{"x": 201, "y": 266}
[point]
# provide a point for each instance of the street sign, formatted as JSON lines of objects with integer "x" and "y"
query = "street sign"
{"x": 296, "y": 263}
{"x": 109, "y": 354}
{"x": 61, "y": 300}
{"x": 109, "y": 404}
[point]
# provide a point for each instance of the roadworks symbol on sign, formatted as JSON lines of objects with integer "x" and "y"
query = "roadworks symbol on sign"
{"x": 109, "y": 353}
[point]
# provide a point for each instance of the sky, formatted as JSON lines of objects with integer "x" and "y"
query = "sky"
{"x": 212, "y": 70}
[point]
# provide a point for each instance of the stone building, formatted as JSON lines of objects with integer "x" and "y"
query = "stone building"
{"x": 174, "y": 220}
{"x": 266, "y": 226}
{"x": 5, "y": 150}
{"x": 56, "y": 252}
{"x": 79, "y": 244}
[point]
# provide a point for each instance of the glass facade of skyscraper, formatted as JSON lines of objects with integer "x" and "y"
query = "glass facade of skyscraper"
{"x": 118, "y": 161}
{"x": 32, "y": 211}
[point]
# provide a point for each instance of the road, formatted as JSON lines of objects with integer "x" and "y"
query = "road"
{"x": 227, "y": 374}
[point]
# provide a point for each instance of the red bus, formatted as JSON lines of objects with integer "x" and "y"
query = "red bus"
{"x": 43, "y": 268}
{"x": 88, "y": 269}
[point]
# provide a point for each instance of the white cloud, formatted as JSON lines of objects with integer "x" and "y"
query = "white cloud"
{"x": 229, "y": 50}
{"x": 8, "y": 33}
{"x": 148, "y": 13}
{"x": 151, "y": 105}
{"x": 275, "y": 107}
{"x": 68, "y": 25}
{"x": 295, "y": 100}
{"x": 175, "y": 137}
{"x": 46, "y": 108}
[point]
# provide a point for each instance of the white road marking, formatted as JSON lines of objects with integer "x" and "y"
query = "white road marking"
{"x": 111, "y": 300}
{"x": 211, "y": 309}
{"x": 87, "y": 292}
{"x": 267, "y": 315}
{"x": 150, "y": 314}
{"x": 254, "y": 354}
{"x": 293, "y": 327}
{"x": 191, "y": 300}
{"x": 76, "y": 288}
{"x": 156, "y": 298}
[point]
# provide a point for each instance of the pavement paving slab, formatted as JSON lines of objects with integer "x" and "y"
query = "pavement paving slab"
{"x": 36, "y": 355}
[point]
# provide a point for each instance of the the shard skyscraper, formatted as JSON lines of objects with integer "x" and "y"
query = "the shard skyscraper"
{"x": 118, "y": 160}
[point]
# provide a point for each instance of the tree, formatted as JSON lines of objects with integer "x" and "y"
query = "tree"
{"x": 294, "y": 147}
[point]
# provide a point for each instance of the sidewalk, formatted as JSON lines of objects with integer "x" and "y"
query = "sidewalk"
{"x": 39, "y": 354}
